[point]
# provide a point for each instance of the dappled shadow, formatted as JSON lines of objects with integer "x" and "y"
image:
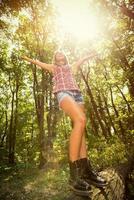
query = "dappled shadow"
{"x": 16, "y": 184}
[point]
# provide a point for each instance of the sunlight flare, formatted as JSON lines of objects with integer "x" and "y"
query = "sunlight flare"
{"x": 78, "y": 19}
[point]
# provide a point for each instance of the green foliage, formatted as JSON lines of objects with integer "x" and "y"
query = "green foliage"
{"x": 106, "y": 153}
{"x": 30, "y": 28}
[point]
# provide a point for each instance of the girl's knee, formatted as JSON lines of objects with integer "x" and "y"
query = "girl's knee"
{"x": 81, "y": 120}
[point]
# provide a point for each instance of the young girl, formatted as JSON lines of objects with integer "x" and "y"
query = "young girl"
{"x": 71, "y": 102}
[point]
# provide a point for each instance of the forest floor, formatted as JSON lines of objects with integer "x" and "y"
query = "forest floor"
{"x": 20, "y": 183}
{"x": 32, "y": 184}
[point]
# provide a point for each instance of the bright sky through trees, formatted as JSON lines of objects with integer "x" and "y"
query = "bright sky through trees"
{"x": 77, "y": 18}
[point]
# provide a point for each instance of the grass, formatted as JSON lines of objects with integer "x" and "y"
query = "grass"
{"x": 33, "y": 184}
{"x": 19, "y": 183}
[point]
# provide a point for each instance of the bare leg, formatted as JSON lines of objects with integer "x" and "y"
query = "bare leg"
{"x": 71, "y": 108}
{"x": 77, "y": 183}
{"x": 77, "y": 148}
{"x": 93, "y": 177}
{"x": 83, "y": 150}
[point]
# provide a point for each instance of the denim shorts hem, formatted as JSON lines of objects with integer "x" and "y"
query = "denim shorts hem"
{"x": 76, "y": 95}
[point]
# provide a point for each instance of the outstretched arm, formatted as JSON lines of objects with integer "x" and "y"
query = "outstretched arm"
{"x": 49, "y": 67}
{"x": 77, "y": 64}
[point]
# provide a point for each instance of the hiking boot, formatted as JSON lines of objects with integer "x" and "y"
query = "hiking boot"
{"x": 89, "y": 175}
{"x": 76, "y": 183}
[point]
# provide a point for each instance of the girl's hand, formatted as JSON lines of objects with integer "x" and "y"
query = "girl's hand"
{"x": 26, "y": 58}
{"x": 49, "y": 67}
{"x": 30, "y": 60}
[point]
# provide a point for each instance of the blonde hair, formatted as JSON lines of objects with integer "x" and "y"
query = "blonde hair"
{"x": 65, "y": 57}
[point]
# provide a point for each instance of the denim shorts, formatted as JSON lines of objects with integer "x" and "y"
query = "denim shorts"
{"x": 76, "y": 95}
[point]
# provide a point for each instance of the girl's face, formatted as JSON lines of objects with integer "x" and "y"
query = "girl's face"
{"x": 60, "y": 58}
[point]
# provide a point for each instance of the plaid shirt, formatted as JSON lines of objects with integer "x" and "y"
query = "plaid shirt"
{"x": 63, "y": 79}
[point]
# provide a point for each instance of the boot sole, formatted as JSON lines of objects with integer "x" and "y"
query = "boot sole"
{"x": 96, "y": 184}
{"x": 80, "y": 192}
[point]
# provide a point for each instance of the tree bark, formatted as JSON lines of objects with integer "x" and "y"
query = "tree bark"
{"x": 102, "y": 112}
{"x": 94, "y": 105}
{"x": 108, "y": 113}
{"x": 127, "y": 12}
{"x": 117, "y": 115}
{"x": 38, "y": 91}
{"x": 13, "y": 121}
{"x": 5, "y": 130}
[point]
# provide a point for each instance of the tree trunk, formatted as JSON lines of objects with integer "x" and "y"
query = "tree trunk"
{"x": 128, "y": 68}
{"x": 94, "y": 124}
{"x": 5, "y": 131}
{"x": 10, "y": 145}
{"x": 102, "y": 112}
{"x": 39, "y": 86}
{"x": 94, "y": 105}
{"x": 125, "y": 99}
{"x": 122, "y": 137}
{"x": 108, "y": 113}
{"x": 13, "y": 122}
{"x": 38, "y": 90}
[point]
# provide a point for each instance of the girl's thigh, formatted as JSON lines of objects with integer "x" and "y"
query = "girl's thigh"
{"x": 71, "y": 108}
